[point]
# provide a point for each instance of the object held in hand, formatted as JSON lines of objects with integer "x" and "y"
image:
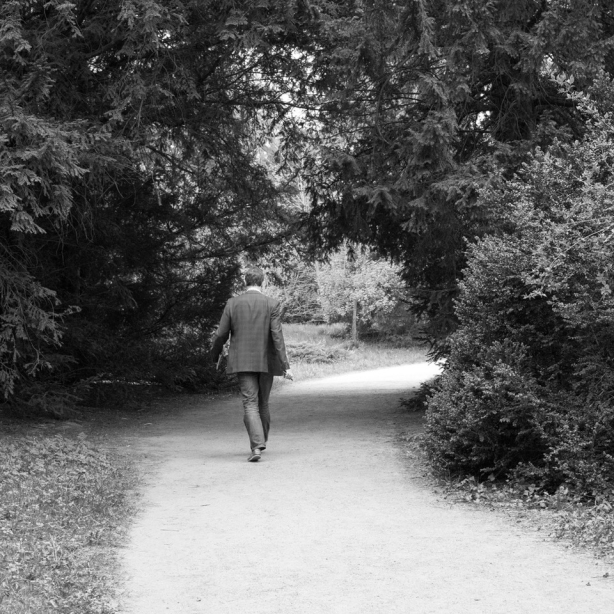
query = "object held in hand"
{"x": 223, "y": 354}
{"x": 288, "y": 375}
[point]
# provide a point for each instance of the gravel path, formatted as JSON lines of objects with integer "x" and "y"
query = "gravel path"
{"x": 333, "y": 519}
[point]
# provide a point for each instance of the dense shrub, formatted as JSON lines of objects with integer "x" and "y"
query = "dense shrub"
{"x": 529, "y": 382}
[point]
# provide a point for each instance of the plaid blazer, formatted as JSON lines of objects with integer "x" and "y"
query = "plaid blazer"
{"x": 252, "y": 320}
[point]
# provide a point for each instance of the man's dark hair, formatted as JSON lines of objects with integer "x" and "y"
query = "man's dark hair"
{"x": 254, "y": 276}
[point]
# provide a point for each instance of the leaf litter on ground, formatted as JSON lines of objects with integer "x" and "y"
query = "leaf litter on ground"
{"x": 63, "y": 502}
{"x": 573, "y": 519}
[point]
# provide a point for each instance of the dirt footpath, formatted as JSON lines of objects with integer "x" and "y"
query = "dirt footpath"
{"x": 332, "y": 520}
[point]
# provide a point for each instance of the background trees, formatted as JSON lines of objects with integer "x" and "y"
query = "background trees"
{"x": 357, "y": 287}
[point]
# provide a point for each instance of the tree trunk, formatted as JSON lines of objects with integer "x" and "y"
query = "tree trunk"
{"x": 355, "y": 321}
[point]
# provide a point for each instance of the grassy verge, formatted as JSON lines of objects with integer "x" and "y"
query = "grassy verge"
{"x": 63, "y": 503}
{"x": 322, "y": 350}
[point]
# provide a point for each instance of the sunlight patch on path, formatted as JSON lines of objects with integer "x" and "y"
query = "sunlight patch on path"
{"x": 387, "y": 379}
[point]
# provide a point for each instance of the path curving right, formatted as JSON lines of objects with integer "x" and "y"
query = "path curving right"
{"x": 331, "y": 521}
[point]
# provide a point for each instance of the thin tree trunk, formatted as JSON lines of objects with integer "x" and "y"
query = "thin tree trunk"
{"x": 355, "y": 321}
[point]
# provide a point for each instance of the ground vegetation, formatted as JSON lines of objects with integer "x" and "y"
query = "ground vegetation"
{"x": 320, "y": 350}
{"x": 64, "y": 503}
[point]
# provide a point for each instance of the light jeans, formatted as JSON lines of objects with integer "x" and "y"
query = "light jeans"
{"x": 255, "y": 390}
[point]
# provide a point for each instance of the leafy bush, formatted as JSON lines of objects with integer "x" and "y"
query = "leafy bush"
{"x": 529, "y": 383}
{"x": 485, "y": 418}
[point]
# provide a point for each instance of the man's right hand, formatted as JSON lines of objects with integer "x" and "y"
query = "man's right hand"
{"x": 288, "y": 374}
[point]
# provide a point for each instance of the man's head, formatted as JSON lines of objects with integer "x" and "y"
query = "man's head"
{"x": 254, "y": 276}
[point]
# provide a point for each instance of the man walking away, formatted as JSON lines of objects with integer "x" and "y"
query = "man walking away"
{"x": 257, "y": 353}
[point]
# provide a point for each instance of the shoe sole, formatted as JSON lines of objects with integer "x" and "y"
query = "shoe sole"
{"x": 254, "y": 458}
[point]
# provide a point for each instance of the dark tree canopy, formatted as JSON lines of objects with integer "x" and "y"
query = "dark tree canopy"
{"x": 136, "y": 165}
{"x": 422, "y": 100}
{"x": 131, "y": 172}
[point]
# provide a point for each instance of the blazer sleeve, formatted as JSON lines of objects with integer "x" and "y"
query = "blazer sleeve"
{"x": 222, "y": 334}
{"x": 278, "y": 336}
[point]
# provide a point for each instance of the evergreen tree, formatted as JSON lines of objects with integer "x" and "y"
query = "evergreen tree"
{"x": 422, "y": 100}
{"x": 130, "y": 175}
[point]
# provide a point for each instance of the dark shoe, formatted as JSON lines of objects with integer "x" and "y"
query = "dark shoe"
{"x": 254, "y": 456}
